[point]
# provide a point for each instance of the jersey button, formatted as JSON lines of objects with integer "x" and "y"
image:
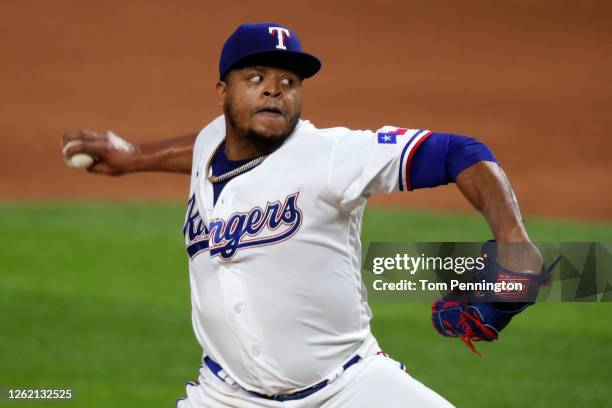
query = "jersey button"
{"x": 237, "y": 309}
{"x": 255, "y": 351}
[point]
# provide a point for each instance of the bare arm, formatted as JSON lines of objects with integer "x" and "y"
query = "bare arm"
{"x": 170, "y": 155}
{"x": 485, "y": 185}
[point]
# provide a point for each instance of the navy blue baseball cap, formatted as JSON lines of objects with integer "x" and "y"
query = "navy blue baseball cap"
{"x": 262, "y": 43}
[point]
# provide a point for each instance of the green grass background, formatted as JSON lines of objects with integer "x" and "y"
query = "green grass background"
{"x": 95, "y": 297}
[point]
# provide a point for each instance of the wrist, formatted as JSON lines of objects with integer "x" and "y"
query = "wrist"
{"x": 136, "y": 160}
{"x": 516, "y": 233}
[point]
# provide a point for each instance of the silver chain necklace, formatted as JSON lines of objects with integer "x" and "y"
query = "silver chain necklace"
{"x": 237, "y": 171}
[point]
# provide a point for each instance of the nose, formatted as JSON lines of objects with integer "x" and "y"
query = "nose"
{"x": 272, "y": 87}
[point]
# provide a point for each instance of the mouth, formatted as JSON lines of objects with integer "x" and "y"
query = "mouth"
{"x": 271, "y": 111}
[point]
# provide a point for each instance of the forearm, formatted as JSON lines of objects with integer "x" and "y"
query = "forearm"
{"x": 169, "y": 155}
{"x": 115, "y": 156}
{"x": 485, "y": 185}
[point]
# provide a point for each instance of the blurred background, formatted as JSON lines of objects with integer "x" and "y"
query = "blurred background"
{"x": 530, "y": 78}
{"x": 93, "y": 281}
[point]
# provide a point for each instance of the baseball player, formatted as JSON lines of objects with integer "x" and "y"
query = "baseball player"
{"x": 272, "y": 232}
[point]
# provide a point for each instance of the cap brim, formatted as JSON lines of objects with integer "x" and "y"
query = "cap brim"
{"x": 306, "y": 65}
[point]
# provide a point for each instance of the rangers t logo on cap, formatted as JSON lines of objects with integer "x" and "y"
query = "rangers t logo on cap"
{"x": 280, "y": 34}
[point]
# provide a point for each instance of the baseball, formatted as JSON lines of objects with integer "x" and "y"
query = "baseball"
{"x": 78, "y": 161}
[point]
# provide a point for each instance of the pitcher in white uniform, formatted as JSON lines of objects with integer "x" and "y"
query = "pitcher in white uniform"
{"x": 273, "y": 228}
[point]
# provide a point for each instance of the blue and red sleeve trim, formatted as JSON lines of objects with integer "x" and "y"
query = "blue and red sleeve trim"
{"x": 437, "y": 160}
{"x": 407, "y": 155}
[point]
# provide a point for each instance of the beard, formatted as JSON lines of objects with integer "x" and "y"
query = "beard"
{"x": 264, "y": 144}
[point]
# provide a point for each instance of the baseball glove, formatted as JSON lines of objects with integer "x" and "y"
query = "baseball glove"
{"x": 481, "y": 315}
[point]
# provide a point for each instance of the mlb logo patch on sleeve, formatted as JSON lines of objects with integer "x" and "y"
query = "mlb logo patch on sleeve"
{"x": 390, "y": 137}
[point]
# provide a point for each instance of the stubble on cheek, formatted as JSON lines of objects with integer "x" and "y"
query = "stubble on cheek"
{"x": 232, "y": 113}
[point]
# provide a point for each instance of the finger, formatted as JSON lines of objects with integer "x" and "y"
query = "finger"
{"x": 70, "y": 145}
{"x": 100, "y": 168}
{"x": 104, "y": 168}
{"x": 98, "y": 148}
{"x": 81, "y": 134}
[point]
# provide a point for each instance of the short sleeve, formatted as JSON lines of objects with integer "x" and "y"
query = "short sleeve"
{"x": 363, "y": 163}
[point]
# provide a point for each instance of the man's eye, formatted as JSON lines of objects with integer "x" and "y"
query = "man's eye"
{"x": 255, "y": 79}
{"x": 286, "y": 81}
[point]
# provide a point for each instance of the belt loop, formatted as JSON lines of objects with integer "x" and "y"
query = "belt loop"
{"x": 338, "y": 371}
{"x": 218, "y": 371}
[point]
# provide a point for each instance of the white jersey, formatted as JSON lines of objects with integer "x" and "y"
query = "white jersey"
{"x": 276, "y": 287}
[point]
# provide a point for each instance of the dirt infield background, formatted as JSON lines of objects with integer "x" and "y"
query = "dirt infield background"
{"x": 530, "y": 78}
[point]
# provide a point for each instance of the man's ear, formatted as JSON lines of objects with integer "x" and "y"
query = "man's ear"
{"x": 221, "y": 91}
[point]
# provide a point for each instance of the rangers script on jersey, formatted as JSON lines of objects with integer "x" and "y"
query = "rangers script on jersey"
{"x": 274, "y": 264}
